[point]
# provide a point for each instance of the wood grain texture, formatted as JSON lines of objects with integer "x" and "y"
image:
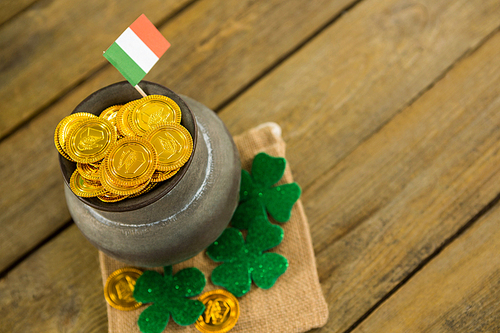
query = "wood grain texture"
{"x": 52, "y": 46}
{"x": 354, "y": 77}
{"x": 215, "y": 47}
{"x": 393, "y": 201}
{"x": 457, "y": 123}
{"x": 57, "y": 289}
{"x": 405, "y": 230}
{"x": 10, "y": 8}
{"x": 333, "y": 109}
{"x": 216, "y": 51}
{"x": 377, "y": 212}
{"x": 458, "y": 291}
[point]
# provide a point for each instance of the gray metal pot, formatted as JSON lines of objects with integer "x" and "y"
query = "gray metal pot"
{"x": 181, "y": 217}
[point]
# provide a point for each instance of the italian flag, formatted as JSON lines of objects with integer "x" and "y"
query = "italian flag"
{"x": 137, "y": 49}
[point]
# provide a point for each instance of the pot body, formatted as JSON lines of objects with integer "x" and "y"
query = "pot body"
{"x": 182, "y": 222}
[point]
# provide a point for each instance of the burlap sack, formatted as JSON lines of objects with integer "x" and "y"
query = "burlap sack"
{"x": 294, "y": 304}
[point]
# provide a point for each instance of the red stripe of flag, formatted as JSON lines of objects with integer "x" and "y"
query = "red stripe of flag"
{"x": 148, "y": 33}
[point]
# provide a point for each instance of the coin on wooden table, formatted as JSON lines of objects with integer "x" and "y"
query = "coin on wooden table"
{"x": 111, "y": 197}
{"x": 130, "y": 162}
{"x": 110, "y": 114}
{"x": 122, "y": 119}
{"x": 89, "y": 171}
{"x": 90, "y": 140}
{"x": 222, "y": 311}
{"x": 173, "y": 144}
{"x": 119, "y": 189}
{"x": 160, "y": 176}
{"x": 119, "y": 289}
{"x": 83, "y": 187}
{"x": 152, "y": 110}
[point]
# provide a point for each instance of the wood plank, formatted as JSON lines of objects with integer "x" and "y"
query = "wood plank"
{"x": 216, "y": 51}
{"x": 473, "y": 193}
{"x": 10, "y": 8}
{"x": 52, "y": 46}
{"x": 458, "y": 291}
{"x": 57, "y": 289}
{"x": 208, "y": 37}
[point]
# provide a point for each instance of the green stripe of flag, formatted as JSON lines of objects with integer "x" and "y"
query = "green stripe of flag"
{"x": 129, "y": 69}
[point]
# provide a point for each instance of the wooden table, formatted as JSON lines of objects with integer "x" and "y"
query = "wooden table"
{"x": 391, "y": 113}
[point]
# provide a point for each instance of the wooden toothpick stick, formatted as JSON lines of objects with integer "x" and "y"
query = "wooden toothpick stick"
{"x": 140, "y": 90}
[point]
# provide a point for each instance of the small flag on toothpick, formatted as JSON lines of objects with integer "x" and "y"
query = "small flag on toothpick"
{"x": 136, "y": 51}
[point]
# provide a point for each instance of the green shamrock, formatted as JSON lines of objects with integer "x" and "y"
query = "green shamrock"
{"x": 244, "y": 262}
{"x": 169, "y": 296}
{"x": 257, "y": 194}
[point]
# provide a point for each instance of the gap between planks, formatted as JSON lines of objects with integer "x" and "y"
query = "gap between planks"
{"x": 18, "y": 13}
{"x": 426, "y": 261}
{"x": 35, "y": 248}
{"x": 285, "y": 57}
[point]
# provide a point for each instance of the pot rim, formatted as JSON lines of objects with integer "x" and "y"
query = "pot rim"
{"x": 67, "y": 167}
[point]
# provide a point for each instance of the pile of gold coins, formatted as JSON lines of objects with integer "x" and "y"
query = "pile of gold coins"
{"x": 126, "y": 150}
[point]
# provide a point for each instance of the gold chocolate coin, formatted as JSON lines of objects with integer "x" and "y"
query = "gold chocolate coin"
{"x": 59, "y": 147}
{"x": 160, "y": 176}
{"x": 122, "y": 119}
{"x": 90, "y": 140}
{"x": 152, "y": 110}
{"x": 119, "y": 289}
{"x": 222, "y": 311}
{"x": 110, "y": 114}
{"x": 88, "y": 171}
{"x": 108, "y": 184}
{"x": 83, "y": 187}
{"x": 68, "y": 122}
{"x": 111, "y": 197}
{"x": 173, "y": 144}
{"x": 62, "y": 129}
{"x": 131, "y": 161}
{"x": 145, "y": 190}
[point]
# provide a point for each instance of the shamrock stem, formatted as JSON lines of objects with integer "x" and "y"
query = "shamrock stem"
{"x": 167, "y": 271}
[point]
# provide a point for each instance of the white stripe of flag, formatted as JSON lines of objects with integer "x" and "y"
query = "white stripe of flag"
{"x": 140, "y": 53}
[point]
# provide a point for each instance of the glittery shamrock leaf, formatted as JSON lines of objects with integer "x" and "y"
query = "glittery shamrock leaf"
{"x": 257, "y": 194}
{"x": 168, "y": 293}
{"x": 245, "y": 261}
